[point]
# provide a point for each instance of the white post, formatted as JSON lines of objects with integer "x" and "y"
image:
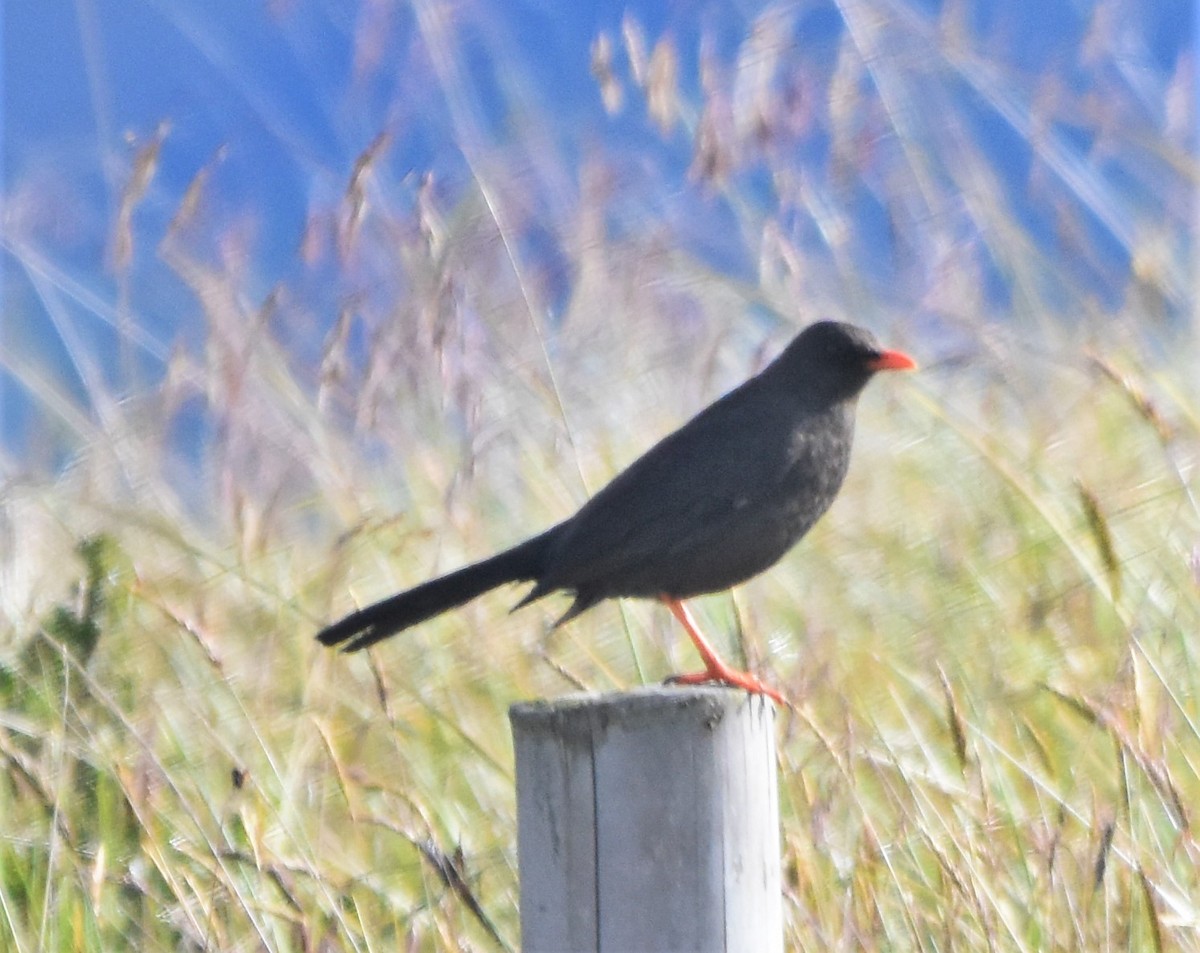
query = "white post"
{"x": 649, "y": 822}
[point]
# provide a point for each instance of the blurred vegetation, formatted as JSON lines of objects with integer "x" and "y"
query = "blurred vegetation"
{"x": 991, "y": 639}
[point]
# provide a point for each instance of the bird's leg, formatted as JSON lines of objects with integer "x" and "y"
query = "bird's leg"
{"x": 715, "y": 669}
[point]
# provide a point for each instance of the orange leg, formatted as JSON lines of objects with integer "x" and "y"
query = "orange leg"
{"x": 715, "y": 670}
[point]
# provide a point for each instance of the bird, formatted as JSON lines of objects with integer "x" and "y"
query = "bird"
{"x": 709, "y": 506}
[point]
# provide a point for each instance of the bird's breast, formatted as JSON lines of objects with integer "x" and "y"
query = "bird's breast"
{"x": 818, "y": 456}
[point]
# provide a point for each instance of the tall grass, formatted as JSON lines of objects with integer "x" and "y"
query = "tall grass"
{"x": 991, "y": 640}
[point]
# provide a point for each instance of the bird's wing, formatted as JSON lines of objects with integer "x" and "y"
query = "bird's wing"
{"x": 710, "y": 479}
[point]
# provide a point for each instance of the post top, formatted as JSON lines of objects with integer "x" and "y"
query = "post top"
{"x": 587, "y": 711}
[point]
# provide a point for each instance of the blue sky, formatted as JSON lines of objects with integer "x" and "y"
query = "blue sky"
{"x": 276, "y": 91}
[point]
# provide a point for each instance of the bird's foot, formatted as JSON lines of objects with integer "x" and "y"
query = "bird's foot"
{"x": 715, "y": 668}
{"x": 724, "y": 675}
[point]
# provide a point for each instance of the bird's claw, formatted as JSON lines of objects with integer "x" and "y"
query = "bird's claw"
{"x": 731, "y": 678}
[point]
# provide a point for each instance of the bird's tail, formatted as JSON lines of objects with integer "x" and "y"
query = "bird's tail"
{"x": 367, "y": 626}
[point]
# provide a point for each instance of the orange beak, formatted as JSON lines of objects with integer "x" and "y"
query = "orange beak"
{"x": 892, "y": 361}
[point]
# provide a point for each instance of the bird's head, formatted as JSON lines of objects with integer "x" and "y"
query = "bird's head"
{"x": 832, "y": 360}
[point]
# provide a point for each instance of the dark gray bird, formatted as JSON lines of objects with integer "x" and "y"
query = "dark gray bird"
{"x": 709, "y": 506}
